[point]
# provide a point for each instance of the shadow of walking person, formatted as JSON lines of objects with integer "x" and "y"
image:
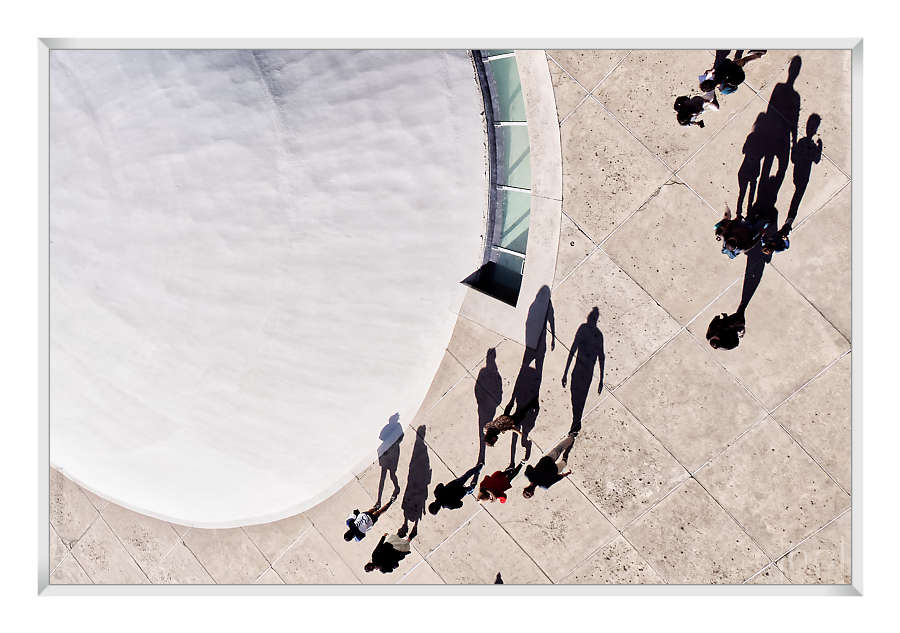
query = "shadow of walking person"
{"x": 527, "y": 387}
{"x": 748, "y": 173}
{"x": 488, "y": 395}
{"x": 804, "y": 154}
{"x": 587, "y": 350}
{"x": 389, "y": 453}
{"x": 417, "y": 481}
{"x": 540, "y": 318}
{"x": 781, "y": 120}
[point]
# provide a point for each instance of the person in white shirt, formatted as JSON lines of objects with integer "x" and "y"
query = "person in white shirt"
{"x": 358, "y": 523}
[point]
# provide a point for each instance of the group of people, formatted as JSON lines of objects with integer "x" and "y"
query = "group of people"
{"x": 544, "y": 473}
{"x": 549, "y": 469}
{"x": 726, "y": 76}
{"x": 774, "y": 137}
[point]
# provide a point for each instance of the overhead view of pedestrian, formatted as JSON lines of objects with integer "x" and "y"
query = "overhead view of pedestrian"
{"x": 493, "y": 487}
{"x": 550, "y": 468}
{"x": 358, "y": 523}
{"x": 507, "y": 422}
{"x": 689, "y": 109}
{"x": 451, "y": 494}
{"x": 727, "y": 74}
{"x": 391, "y": 549}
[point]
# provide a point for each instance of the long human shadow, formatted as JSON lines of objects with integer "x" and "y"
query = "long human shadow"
{"x": 488, "y": 395}
{"x": 389, "y": 453}
{"x": 418, "y": 480}
{"x": 587, "y": 351}
{"x": 774, "y": 137}
{"x": 527, "y": 386}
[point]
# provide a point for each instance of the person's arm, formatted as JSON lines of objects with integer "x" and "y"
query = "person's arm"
{"x": 818, "y": 155}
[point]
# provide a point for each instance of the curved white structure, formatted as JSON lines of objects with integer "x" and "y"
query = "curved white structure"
{"x": 255, "y": 261}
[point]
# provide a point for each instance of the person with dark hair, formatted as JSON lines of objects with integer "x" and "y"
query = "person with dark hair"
{"x": 451, "y": 495}
{"x": 361, "y": 522}
{"x": 494, "y": 487}
{"x": 550, "y": 467}
{"x": 391, "y": 549}
{"x": 726, "y": 330}
{"x": 507, "y": 422}
{"x": 689, "y": 109}
{"x": 727, "y": 74}
{"x": 738, "y": 235}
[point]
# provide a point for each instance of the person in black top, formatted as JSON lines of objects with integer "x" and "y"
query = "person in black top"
{"x": 451, "y": 495}
{"x": 728, "y": 74}
{"x": 689, "y": 109}
{"x": 391, "y": 549}
{"x": 550, "y": 467}
{"x": 725, "y": 330}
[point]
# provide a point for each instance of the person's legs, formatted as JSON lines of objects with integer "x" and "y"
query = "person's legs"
{"x": 566, "y": 442}
{"x": 377, "y": 511}
{"x": 740, "y": 61}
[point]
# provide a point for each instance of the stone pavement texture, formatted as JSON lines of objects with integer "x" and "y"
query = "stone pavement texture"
{"x": 692, "y": 465}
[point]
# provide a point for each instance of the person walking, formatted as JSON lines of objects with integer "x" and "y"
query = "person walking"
{"x": 550, "y": 467}
{"x": 451, "y": 495}
{"x": 358, "y": 523}
{"x": 689, "y": 109}
{"x": 507, "y": 422}
{"x": 391, "y": 549}
{"x": 727, "y": 74}
{"x": 494, "y": 487}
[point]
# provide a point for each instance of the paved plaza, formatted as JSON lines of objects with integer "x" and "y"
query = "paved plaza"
{"x": 692, "y": 465}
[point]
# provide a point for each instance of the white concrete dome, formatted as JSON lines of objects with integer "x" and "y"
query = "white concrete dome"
{"x": 254, "y": 262}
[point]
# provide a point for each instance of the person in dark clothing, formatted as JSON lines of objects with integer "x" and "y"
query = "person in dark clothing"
{"x": 391, "y": 549}
{"x": 507, "y": 422}
{"x": 739, "y": 235}
{"x": 451, "y": 495}
{"x": 494, "y": 487}
{"x": 689, "y": 109}
{"x": 550, "y": 467}
{"x": 727, "y": 74}
{"x": 725, "y": 330}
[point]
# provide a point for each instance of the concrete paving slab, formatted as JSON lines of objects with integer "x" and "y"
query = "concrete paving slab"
{"x": 689, "y": 539}
{"x": 619, "y": 465}
{"x": 787, "y": 340}
{"x": 818, "y": 417}
{"x": 607, "y": 173}
{"x": 688, "y": 403}
{"x": 773, "y": 488}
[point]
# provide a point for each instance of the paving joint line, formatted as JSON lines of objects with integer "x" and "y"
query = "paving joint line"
{"x": 197, "y": 558}
{"x": 811, "y": 535}
{"x": 109, "y": 527}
